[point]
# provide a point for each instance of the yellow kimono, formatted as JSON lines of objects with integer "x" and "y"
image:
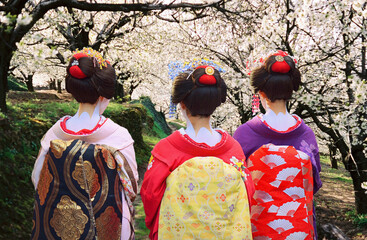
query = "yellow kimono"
{"x": 205, "y": 198}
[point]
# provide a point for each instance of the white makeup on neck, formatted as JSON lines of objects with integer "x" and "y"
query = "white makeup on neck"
{"x": 87, "y": 120}
{"x": 280, "y": 121}
{"x": 202, "y": 135}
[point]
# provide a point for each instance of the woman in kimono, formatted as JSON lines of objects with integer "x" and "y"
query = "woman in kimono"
{"x": 91, "y": 80}
{"x": 196, "y": 185}
{"x": 275, "y": 80}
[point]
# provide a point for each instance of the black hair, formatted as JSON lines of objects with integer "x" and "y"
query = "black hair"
{"x": 99, "y": 82}
{"x": 200, "y": 99}
{"x": 276, "y": 85}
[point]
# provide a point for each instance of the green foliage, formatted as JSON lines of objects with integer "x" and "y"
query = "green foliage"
{"x": 16, "y": 85}
{"x": 130, "y": 116}
{"x": 335, "y": 174}
{"x": 19, "y": 144}
{"x": 151, "y": 140}
{"x": 358, "y": 219}
{"x": 141, "y": 231}
{"x": 21, "y": 130}
{"x": 160, "y": 127}
{"x": 177, "y": 124}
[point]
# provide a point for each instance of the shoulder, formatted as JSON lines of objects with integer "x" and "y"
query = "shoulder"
{"x": 235, "y": 146}
{"x": 307, "y": 130}
{"x": 249, "y": 125}
{"x": 117, "y": 128}
{"x": 165, "y": 146}
{"x": 166, "y": 152}
{"x": 51, "y": 134}
{"x": 118, "y": 136}
{"x": 246, "y": 129}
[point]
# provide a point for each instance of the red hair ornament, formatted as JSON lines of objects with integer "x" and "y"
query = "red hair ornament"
{"x": 75, "y": 70}
{"x": 208, "y": 78}
{"x": 280, "y": 66}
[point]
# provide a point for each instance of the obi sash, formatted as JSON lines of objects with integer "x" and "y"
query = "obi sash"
{"x": 282, "y": 203}
{"x": 205, "y": 198}
{"x": 79, "y": 193}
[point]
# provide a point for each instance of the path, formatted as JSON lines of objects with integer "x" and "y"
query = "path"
{"x": 335, "y": 199}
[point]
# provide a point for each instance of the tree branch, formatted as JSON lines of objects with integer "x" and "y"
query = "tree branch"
{"x": 41, "y": 9}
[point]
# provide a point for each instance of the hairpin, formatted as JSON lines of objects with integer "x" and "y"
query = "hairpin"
{"x": 92, "y": 54}
{"x": 207, "y": 78}
{"x": 177, "y": 67}
{"x": 280, "y": 66}
{"x": 75, "y": 70}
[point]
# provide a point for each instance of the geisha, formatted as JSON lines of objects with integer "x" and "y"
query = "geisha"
{"x": 85, "y": 175}
{"x": 283, "y": 156}
{"x": 196, "y": 185}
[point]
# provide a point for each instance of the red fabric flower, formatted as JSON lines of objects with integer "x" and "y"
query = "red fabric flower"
{"x": 280, "y": 66}
{"x": 208, "y": 78}
{"x": 75, "y": 70}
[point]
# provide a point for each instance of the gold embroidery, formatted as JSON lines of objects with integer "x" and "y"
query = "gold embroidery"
{"x": 44, "y": 181}
{"x": 50, "y": 202}
{"x": 68, "y": 163}
{"x": 90, "y": 174}
{"x": 108, "y": 225}
{"x": 58, "y": 147}
{"x": 36, "y": 223}
{"x": 68, "y": 219}
{"x": 117, "y": 189}
{"x": 108, "y": 158}
{"x": 103, "y": 181}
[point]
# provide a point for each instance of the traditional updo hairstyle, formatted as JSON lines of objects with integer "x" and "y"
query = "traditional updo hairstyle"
{"x": 202, "y": 91}
{"x": 88, "y": 78}
{"x": 278, "y": 77}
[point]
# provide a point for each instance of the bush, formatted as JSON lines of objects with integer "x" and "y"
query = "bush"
{"x": 358, "y": 219}
{"x": 20, "y": 133}
{"x": 16, "y": 85}
{"x": 160, "y": 126}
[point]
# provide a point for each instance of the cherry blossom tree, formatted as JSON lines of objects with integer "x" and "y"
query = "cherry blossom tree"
{"x": 329, "y": 40}
{"x": 19, "y": 16}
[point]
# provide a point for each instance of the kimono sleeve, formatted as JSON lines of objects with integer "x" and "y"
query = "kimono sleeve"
{"x": 38, "y": 166}
{"x": 45, "y": 145}
{"x": 129, "y": 154}
{"x": 316, "y": 169}
{"x": 244, "y": 135}
{"x": 152, "y": 191}
{"x": 311, "y": 148}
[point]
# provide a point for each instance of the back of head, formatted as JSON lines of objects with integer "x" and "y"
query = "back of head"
{"x": 202, "y": 90}
{"x": 278, "y": 77}
{"x": 89, "y": 76}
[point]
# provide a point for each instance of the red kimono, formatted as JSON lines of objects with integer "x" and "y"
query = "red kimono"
{"x": 170, "y": 153}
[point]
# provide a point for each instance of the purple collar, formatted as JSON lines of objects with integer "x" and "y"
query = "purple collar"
{"x": 260, "y": 128}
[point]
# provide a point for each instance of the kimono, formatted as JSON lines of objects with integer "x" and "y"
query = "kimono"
{"x": 172, "y": 175}
{"x": 256, "y": 133}
{"x": 107, "y": 141}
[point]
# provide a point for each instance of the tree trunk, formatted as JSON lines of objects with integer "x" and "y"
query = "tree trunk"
{"x": 119, "y": 93}
{"x": 52, "y": 84}
{"x": 59, "y": 86}
{"x": 3, "y": 79}
{"x": 332, "y": 153}
{"x": 29, "y": 83}
{"x": 358, "y": 172}
{"x": 5, "y": 58}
